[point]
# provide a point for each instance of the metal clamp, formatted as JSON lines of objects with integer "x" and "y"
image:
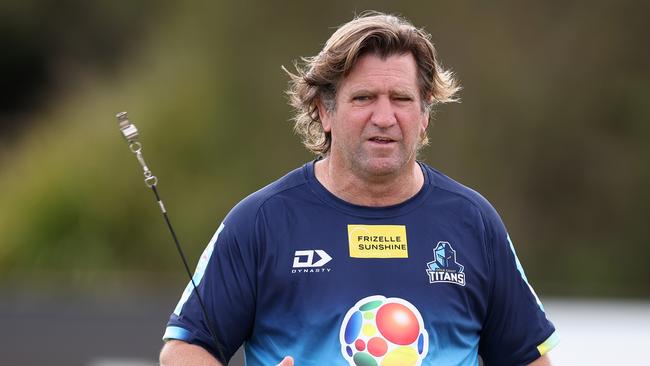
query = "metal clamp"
{"x": 130, "y": 133}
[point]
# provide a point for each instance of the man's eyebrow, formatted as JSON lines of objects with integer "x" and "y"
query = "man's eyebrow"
{"x": 361, "y": 90}
{"x": 402, "y": 91}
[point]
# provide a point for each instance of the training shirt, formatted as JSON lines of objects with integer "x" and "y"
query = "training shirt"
{"x": 294, "y": 270}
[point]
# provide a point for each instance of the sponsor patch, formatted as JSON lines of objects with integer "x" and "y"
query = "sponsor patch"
{"x": 377, "y": 241}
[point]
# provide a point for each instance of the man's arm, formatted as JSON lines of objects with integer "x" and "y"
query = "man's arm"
{"x": 181, "y": 353}
{"x": 542, "y": 361}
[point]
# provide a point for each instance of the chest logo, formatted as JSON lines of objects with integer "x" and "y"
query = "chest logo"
{"x": 377, "y": 241}
{"x": 305, "y": 258}
{"x": 383, "y": 331}
{"x": 310, "y": 261}
{"x": 444, "y": 268}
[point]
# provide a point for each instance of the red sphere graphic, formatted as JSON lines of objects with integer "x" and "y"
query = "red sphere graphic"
{"x": 360, "y": 345}
{"x": 377, "y": 346}
{"x": 398, "y": 324}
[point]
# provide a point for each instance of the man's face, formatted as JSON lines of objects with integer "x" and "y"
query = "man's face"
{"x": 378, "y": 121}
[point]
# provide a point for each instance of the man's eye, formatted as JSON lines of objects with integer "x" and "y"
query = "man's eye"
{"x": 362, "y": 97}
{"x": 403, "y": 99}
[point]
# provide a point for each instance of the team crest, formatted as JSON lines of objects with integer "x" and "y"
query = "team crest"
{"x": 444, "y": 268}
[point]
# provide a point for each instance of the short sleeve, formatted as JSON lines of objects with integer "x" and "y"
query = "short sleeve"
{"x": 226, "y": 281}
{"x": 516, "y": 330}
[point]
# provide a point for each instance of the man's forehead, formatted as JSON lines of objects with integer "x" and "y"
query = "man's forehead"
{"x": 370, "y": 72}
{"x": 375, "y": 88}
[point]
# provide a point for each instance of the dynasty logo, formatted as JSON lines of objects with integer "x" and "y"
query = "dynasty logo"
{"x": 445, "y": 268}
{"x": 310, "y": 261}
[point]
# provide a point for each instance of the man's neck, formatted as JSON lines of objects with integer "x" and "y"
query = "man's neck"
{"x": 370, "y": 191}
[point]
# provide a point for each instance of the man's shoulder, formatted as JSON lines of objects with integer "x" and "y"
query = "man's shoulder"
{"x": 248, "y": 207}
{"x": 450, "y": 186}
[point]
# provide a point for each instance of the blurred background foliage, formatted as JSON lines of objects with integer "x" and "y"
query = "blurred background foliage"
{"x": 552, "y": 129}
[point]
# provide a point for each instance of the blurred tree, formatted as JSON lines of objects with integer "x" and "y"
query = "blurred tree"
{"x": 49, "y": 43}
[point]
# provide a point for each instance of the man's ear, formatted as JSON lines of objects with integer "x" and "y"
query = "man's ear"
{"x": 427, "y": 112}
{"x": 425, "y": 122}
{"x": 324, "y": 116}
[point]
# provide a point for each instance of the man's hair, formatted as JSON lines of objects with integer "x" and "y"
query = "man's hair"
{"x": 318, "y": 77}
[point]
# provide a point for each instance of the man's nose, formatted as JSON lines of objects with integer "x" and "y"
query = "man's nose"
{"x": 383, "y": 115}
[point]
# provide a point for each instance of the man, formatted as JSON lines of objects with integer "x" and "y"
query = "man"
{"x": 365, "y": 256}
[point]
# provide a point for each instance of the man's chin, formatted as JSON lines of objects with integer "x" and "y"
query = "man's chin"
{"x": 384, "y": 167}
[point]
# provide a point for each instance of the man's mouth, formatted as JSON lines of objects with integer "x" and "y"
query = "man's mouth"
{"x": 381, "y": 140}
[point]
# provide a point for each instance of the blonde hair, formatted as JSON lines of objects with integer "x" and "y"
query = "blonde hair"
{"x": 318, "y": 77}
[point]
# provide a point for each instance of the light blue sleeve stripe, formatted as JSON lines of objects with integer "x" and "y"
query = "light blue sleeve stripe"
{"x": 176, "y": 333}
{"x": 199, "y": 272}
{"x": 523, "y": 275}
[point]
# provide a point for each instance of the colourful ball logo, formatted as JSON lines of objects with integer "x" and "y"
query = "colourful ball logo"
{"x": 378, "y": 331}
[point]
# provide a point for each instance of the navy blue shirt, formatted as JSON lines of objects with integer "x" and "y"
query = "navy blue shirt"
{"x": 294, "y": 270}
